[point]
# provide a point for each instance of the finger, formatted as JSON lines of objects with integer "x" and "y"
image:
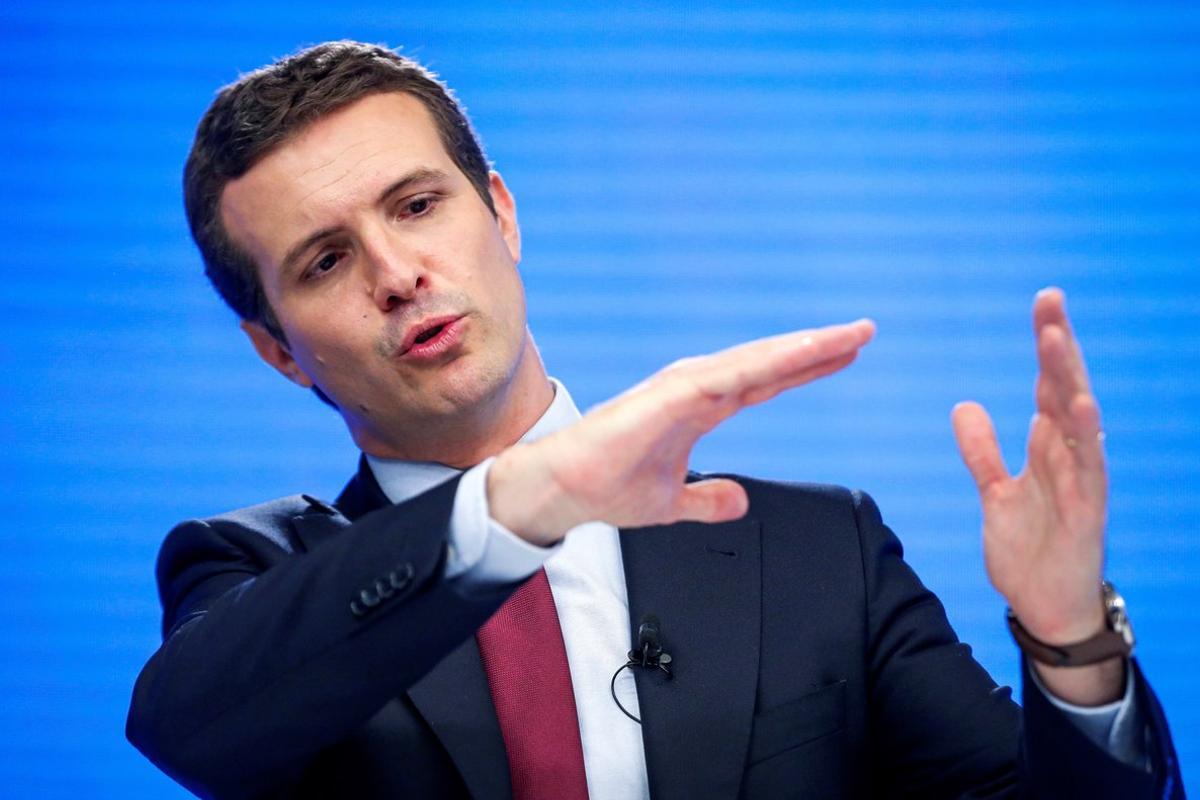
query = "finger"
{"x": 707, "y": 415}
{"x": 1061, "y": 392}
{"x": 777, "y": 359}
{"x": 704, "y": 390}
{"x": 1049, "y": 306}
{"x": 1052, "y": 463}
{"x": 978, "y": 446}
{"x": 1087, "y": 438}
{"x": 713, "y": 500}
{"x": 1042, "y": 451}
{"x": 1057, "y": 383}
{"x": 1049, "y": 310}
{"x": 763, "y": 393}
{"x": 1045, "y": 398}
{"x": 1072, "y": 467}
{"x": 1064, "y": 393}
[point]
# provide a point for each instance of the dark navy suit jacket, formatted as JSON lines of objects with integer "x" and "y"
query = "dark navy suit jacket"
{"x": 314, "y": 650}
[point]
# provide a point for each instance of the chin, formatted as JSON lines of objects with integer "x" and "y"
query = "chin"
{"x": 473, "y": 389}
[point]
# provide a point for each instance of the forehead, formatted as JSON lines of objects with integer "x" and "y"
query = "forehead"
{"x": 333, "y": 166}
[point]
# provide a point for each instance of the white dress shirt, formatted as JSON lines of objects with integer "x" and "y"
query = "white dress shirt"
{"x": 587, "y": 579}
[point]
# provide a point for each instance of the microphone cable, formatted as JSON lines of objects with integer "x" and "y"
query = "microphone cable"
{"x": 647, "y": 652}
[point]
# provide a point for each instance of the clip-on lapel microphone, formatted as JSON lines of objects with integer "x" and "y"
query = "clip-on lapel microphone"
{"x": 647, "y": 652}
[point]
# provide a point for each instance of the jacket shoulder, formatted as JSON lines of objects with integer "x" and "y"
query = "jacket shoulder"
{"x": 253, "y": 533}
{"x": 771, "y": 498}
{"x": 224, "y": 550}
{"x": 269, "y": 518}
{"x": 263, "y": 523}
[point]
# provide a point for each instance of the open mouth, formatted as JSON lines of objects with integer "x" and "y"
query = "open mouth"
{"x": 425, "y": 336}
{"x": 440, "y": 337}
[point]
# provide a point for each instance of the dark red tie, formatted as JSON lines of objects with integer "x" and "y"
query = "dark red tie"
{"x": 526, "y": 665}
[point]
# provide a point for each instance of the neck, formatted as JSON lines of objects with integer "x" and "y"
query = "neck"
{"x": 475, "y": 434}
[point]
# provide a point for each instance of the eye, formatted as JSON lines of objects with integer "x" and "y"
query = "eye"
{"x": 322, "y": 265}
{"x": 418, "y": 206}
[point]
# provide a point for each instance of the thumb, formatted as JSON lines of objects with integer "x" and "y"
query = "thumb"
{"x": 713, "y": 500}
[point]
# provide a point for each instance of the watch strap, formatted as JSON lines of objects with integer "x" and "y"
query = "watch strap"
{"x": 1115, "y": 640}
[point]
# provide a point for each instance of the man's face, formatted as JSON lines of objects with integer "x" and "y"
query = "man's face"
{"x": 365, "y": 232}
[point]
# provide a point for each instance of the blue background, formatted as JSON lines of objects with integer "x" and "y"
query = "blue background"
{"x": 687, "y": 178}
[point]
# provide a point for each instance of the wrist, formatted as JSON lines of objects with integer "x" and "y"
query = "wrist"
{"x": 1079, "y": 661}
{"x": 1063, "y": 632}
{"x": 1084, "y": 662}
{"x": 523, "y": 496}
{"x": 1084, "y": 643}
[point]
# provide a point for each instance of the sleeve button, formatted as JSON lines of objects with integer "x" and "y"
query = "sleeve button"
{"x": 400, "y": 577}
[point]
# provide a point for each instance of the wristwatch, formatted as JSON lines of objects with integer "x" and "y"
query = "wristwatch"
{"x": 1115, "y": 640}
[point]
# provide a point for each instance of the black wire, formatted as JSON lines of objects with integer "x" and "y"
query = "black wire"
{"x": 633, "y": 662}
{"x": 612, "y": 687}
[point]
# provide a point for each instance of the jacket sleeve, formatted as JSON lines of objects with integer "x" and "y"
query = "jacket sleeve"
{"x": 268, "y": 656}
{"x": 1061, "y": 761}
{"x": 943, "y": 728}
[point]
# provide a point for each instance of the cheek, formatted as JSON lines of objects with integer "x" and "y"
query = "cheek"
{"x": 493, "y": 267}
{"x": 333, "y": 345}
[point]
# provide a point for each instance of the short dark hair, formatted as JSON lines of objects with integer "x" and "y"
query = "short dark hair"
{"x": 260, "y": 111}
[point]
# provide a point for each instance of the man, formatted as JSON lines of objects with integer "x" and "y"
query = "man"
{"x": 345, "y": 211}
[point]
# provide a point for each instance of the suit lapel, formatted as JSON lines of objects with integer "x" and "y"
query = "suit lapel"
{"x": 703, "y": 582}
{"x": 455, "y": 700}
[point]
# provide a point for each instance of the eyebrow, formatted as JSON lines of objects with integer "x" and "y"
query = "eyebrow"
{"x": 416, "y": 177}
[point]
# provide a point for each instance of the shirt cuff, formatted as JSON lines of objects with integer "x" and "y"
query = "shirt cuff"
{"x": 483, "y": 553}
{"x": 1114, "y": 727}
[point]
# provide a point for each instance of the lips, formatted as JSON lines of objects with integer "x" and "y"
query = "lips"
{"x": 427, "y": 334}
{"x": 424, "y": 331}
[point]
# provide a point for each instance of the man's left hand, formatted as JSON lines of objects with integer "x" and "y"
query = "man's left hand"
{"x": 1043, "y": 530}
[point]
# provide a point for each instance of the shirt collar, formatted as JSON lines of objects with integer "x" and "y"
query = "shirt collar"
{"x": 402, "y": 480}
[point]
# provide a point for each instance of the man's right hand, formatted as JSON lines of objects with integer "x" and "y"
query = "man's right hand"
{"x": 625, "y": 462}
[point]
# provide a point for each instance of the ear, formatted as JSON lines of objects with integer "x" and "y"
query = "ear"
{"x": 506, "y": 214}
{"x": 272, "y": 351}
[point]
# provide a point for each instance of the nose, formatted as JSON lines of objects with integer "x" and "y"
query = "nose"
{"x": 395, "y": 272}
